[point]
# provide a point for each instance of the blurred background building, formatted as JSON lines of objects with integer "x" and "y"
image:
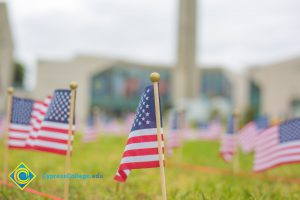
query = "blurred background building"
{"x": 6, "y": 54}
{"x": 274, "y": 89}
{"x": 114, "y": 84}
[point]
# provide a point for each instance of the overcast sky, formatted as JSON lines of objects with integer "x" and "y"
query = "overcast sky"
{"x": 233, "y": 33}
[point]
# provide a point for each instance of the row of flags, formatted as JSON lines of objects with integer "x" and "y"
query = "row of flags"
{"x": 45, "y": 126}
{"x": 272, "y": 145}
{"x": 41, "y": 125}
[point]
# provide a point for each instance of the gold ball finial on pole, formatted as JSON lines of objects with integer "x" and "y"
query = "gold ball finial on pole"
{"x": 155, "y": 77}
{"x": 10, "y": 90}
{"x": 73, "y": 85}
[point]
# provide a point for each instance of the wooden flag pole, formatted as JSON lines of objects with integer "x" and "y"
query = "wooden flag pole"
{"x": 155, "y": 79}
{"x": 73, "y": 87}
{"x": 10, "y": 92}
{"x": 236, "y": 163}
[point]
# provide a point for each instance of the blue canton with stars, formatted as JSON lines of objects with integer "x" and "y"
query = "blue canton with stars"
{"x": 289, "y": 131}
{"x": 21, "y": 111}
{"x": 145, "y": 116}
{"x": 230, "y": 126}
{"x": 59, "y": 107}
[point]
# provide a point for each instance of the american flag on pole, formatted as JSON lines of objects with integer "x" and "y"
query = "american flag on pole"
{"x": 38, "y": 114}
{"x": 277, "y": 146}
{"x": 141, "y": 150}
{"x": 53, "y": 134}
{"x": 249, "y": 133}
{"x": 20, "y": 124}
{"x": 228, "y": 141}
{"x": 173, "y": 135}
{"x": 90, "y": 132}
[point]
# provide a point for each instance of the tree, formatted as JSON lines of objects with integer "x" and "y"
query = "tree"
{"x": 19, "y": 73}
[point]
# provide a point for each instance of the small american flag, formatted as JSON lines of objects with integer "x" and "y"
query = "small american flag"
{"x": 20, "y": 124}
{"x": 173, "y": 135}
{"x": 228, "y": 146}
{"x": 278, "y": 145}
{"x": 90, "y": 132}
{"x": 53, "y": 134}
{"x": 248, "y": 134}
{"x": 141, "y": 150}
{"x": 37, "y": 116}
{"x": 211, "y": 131}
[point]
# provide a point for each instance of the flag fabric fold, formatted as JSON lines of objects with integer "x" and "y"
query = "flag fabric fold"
{"x": 141, "y": 150}
{"x": 53, "y": 134}
{"x": 38, "y": 114}
{"x": 249, "y": 133}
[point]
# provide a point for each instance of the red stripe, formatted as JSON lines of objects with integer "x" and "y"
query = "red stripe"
{"x": 39, "y": 111}
{"x": 18, "y": 130}
{"x": 50, "y": 150}
{"x": 122, "y": 178}
{"x": 15, "y": 138}
{"x": 57, "y": 130}
{"x": 52, "y": 140}
{"x": 139, "y": 165}
{"x": 15, "y": 147}
{"x": 145, "y": 138}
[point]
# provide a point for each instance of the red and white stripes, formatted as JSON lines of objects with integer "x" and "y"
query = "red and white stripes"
{"x": 228, "y": 146}
{"x": 141, "y": 151}
{"x": 271, "y": 153}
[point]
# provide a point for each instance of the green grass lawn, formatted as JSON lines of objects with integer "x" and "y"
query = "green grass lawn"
{"x": 104, "y": 156}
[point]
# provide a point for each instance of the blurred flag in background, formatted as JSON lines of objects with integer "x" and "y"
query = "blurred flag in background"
{"x": 211, "y": 131}
{"x": 174, "y": 132}
{"x": 90, "y": 131}
{"x": 278, "y": 145}
{"x": 248, "y": 134}
{"x": 228, "y": 141}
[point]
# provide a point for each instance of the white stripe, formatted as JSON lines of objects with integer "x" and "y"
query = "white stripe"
{"x": 16, "y": 143}
{"x": 20, "y": 127}
{"x": 51, "y": 145}
{"x": 142, "y": 145}
{"x": 54, "y": 135}
{"x": 144, "y": 132}
{"x": 18, "y": 135}
{"x": 262, "y": 142}
{"x": 147, "y": 158}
